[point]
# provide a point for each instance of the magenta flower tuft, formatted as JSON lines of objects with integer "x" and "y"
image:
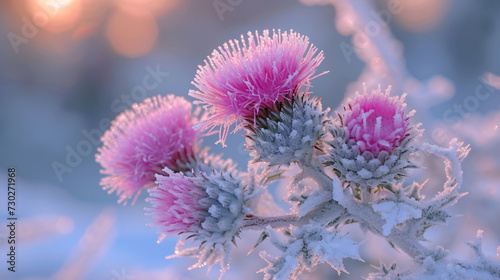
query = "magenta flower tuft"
{"x": 141, "y": 142}
{"x": 238, "y": 81}
{"x": 376, "y": 122}
{"x": 174, "y": 204}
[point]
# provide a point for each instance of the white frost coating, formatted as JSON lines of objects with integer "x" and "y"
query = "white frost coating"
{"x": 439, "y": 265}
{"x": 312, "y": 202}
{"x": 337, "y": 192}
{"x": 396, "y": 213}
{"x": 365, "y": 174}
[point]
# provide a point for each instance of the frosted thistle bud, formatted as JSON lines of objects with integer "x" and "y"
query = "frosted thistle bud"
{"x": 373, "y": 141}
{"x": 207, "y": 208}
{"x": 288, "y": 133}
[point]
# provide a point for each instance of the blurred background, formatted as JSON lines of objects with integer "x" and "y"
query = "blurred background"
{"x": 68, "y": 67}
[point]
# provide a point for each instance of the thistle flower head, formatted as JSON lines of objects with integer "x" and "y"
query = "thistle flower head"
{"x": 208, "y": 207}
{"x": 239, "y": 80}
{"x": 154, "y": 134}
{"x": 376, "y": 122}
{"x": 372, "y": 142}
{"x": 175, "y": 205}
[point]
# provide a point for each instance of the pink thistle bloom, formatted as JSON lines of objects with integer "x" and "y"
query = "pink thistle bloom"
{"x": 239, "y": 80}
{"x": 141, "y": 142}
{"x": 175, "y": 207}
{"x": 376, "y": 122}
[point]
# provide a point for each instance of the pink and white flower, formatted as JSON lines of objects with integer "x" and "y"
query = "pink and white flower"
{"x": 142, "y": 141}
{"x": 373, "y": 141}
{"x": 210, "y": 208}
{"x": 175, "y": 204}
{"x": 238, "y": 81}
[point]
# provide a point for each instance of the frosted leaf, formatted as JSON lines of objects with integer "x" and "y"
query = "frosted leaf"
{"x": 396, "y": 213}
{"x": 305, "y": 248}
{"x": 206, "y": 255}
{"x": 438, "y": 265}
{"x": 453, "y": 156}
{"x": 278, "y": 268}
{"x": 332, "y": 248}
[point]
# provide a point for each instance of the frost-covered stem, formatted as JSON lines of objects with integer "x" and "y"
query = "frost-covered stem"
{"x": 256, "y": 223}
{"x": 404, "y": 239}
{"x": 323, "y": 214}
{"x": 366, "y": 196}
{"x": 314, "y": 170}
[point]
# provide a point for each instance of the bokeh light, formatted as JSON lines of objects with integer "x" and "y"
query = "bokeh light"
{"x": 421, "y": 15}
{"x": 55, "y": 16}
{"x": 132, "y": 34}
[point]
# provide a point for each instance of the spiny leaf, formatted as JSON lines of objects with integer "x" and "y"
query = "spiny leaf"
{"x": 261, "y": 239}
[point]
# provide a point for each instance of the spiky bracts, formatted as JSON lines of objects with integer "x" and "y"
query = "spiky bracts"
{"x": 208, "y": 208}
{"x": 238, "y": 81}
{"x": 290, "y": 133}
{"x": 373, "y": 141}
